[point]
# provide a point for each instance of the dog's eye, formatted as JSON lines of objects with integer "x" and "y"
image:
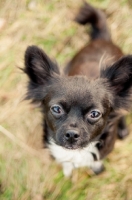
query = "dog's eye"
{"x": 56, "y": 110}
{"x": 94, "y": 116}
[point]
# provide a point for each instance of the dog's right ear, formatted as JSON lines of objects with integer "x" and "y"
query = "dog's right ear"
{"x": 41, "y": 71}
{"x": 38, "y": 66}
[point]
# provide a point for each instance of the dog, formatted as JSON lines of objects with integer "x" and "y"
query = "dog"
{"x": 83, "y": 106}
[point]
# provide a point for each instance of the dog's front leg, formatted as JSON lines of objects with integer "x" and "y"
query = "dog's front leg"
{"x": 98, "y": 167}
{"x": 67, "y": 168}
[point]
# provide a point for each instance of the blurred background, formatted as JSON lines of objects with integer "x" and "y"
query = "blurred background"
{"x": 26, "y": 170}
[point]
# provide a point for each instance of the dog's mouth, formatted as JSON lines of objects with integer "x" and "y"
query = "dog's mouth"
{"x": 73, "y": 147}
{"x": 98, "y": 143}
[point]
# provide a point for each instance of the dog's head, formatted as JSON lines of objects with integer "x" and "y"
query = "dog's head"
{"x": 75, "y": 108}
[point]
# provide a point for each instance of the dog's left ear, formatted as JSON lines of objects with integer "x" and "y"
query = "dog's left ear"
{"x": 119, "y": 81}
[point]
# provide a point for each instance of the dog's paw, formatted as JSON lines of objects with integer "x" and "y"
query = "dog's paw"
{"x": 98, "y": 167}
{"x": 67, "y": 169}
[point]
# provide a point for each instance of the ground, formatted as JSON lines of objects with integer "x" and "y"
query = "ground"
{"x": 26, "y": 171}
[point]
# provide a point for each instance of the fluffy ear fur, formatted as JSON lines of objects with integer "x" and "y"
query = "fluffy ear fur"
{"x": 119, "y": 79}
{"x": 40, "y": 70}
{"x": 38, "y": 65}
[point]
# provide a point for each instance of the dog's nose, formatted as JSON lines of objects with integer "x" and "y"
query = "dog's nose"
{"x": 71, "y": 135}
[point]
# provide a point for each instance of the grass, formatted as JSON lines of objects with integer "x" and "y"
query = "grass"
{"x": 26, "y": 170}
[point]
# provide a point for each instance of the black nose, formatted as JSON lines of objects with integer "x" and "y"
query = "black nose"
{"x": 71, "y": 135}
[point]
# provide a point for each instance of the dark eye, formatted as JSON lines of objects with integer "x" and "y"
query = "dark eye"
{"x": 56, "y": 110}
{"x": 95, "y": 114}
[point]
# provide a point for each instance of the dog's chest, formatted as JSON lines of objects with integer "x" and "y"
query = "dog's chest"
{"x": 79, "y": 158}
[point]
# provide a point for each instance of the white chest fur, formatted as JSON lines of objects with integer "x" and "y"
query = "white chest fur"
{"x": 75, "y": 158}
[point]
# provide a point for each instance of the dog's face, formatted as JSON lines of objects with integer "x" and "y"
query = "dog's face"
{"x": 75, "y": 108}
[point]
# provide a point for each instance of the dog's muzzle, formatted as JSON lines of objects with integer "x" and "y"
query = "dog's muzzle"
{"x": 71, "y": 137}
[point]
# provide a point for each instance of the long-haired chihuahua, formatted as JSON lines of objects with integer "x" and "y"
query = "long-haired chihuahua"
{"x": 82, "y": 107}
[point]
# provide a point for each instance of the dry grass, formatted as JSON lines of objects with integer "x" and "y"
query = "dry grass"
{"x": 27, "y": 172}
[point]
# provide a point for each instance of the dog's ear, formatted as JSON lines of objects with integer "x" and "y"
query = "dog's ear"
{"x": 38, "y": 66}
{"x": 119, "y": 80}
{"x": 41, "y": 70}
